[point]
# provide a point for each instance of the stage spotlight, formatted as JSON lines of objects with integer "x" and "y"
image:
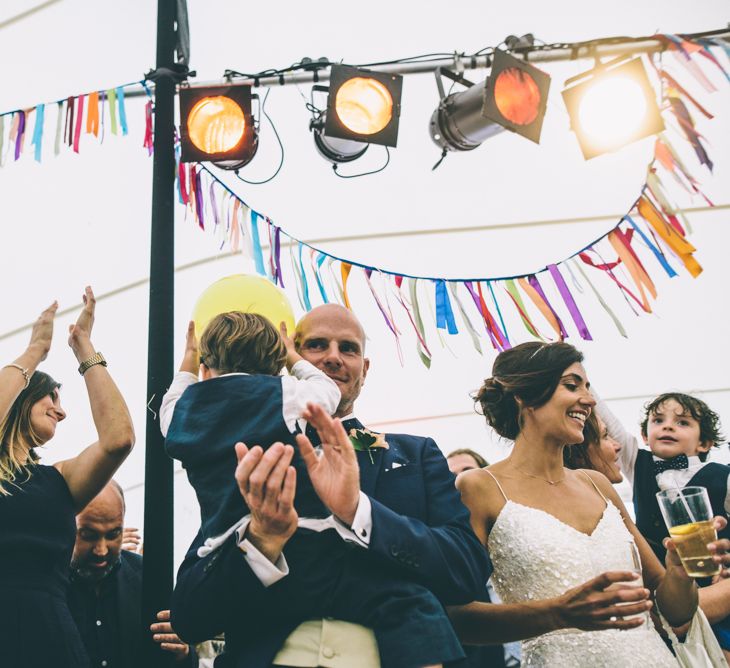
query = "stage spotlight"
{"x": 363, "y": 107}
{"x": 216, "y": 125}
{"x": 613, "y": 105}
{"x": 334, "y": 149}
{"x": 514, "y": 97}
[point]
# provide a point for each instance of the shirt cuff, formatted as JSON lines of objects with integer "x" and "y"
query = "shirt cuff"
{"x": 267, "y": 572}
{"x": 362, "y": 525}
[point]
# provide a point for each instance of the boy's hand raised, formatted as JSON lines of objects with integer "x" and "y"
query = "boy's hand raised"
{"x": 191, "y": 357}
{"x": 268, "y": 483}
{"x": 292, "y": 356}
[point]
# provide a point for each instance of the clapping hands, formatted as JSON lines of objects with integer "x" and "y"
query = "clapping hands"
{"x": 42, "y": 333}
{"x": 334, "y": 472}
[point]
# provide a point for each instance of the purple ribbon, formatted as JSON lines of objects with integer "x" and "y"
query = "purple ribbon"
{"x": 19, "y": 136}
{"x": 569, "y": 302}
{"x": 277, "y": 256}
{"x": 391, "y": 327}
{"x": 213, "y": 205}
{"x": 199, "y": 200}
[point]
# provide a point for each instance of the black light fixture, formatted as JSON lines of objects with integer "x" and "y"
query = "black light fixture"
{"x": 611, "y": 106}
{"x": 513, "y": 97}
{"x": 363, "y": 106}
{"x": 216, "y": 125}
{"x": 334, "y": 149}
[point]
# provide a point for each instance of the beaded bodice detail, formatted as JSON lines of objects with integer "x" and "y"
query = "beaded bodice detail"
{"x": 537, "y": 556}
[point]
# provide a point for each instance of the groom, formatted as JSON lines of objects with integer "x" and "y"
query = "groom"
{"x": 402, "y": 509}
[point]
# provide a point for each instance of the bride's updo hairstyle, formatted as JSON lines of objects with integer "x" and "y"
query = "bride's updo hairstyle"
{"x": 531, "y": 372}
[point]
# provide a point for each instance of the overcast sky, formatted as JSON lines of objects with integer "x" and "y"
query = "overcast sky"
{"x": 78, "y": 219}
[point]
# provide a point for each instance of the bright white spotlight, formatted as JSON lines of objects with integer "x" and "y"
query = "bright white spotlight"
{"x": 612, "y": 105}
{"x": 612, "y": 111}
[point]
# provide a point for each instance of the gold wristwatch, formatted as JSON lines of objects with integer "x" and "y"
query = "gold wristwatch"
{"x": 96, "y": 358}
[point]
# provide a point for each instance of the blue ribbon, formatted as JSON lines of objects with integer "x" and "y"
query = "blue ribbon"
{"x": 444, "y": 313}
{"x": 305, "y": 287}
{"x": 38, "y": 130}
{"x": 122, "y": 110}
{"x": 258, "y": 254}
{"x": 659, "y": 255}
{"x": 322, "y": 257}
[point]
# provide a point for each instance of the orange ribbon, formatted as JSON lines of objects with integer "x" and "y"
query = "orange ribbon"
{"x": 547, "y": 312}
{"x": 679, "y": 245}
{"x": 345, "y": 268}
{"x": 92, "y": 115}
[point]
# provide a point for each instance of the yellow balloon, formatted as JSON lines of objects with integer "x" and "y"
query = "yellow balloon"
{"x": 247, "y": 293}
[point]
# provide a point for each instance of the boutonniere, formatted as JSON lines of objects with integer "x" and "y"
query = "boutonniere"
{"x": 367, "y": 441}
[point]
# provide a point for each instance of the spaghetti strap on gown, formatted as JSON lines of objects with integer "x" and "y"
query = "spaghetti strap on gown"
{"x": 37, "y": 533}
{"x": 537, "y": 556}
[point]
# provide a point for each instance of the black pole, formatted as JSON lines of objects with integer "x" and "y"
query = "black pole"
{"x": 158, "y": 490}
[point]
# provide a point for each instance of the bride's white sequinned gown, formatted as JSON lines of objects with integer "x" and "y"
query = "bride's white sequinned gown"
{"x": 536, "y": 556}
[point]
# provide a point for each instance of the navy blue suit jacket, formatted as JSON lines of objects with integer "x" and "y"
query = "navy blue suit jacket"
{"x": 421, "y": 531}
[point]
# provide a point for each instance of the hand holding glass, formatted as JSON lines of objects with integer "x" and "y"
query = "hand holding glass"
{"x": 625, "y": 557}
{"x": 688, "y": 515}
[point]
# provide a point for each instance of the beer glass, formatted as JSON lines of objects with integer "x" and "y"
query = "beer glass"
{"x": 622, "y": 556}
{"x": 688, "y": 515}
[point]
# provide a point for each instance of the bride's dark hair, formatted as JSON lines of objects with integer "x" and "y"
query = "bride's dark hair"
{"x": 531, "y": 372}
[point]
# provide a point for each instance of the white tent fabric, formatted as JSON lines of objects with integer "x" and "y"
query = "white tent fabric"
{"x": 84, "y": 219}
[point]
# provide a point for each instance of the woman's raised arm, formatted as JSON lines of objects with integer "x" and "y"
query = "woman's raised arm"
{"x": 15, "y": 376}
{"x": 87, "y": 473}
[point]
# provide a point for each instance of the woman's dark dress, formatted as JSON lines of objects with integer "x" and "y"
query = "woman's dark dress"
{"x": 37, "y": 533}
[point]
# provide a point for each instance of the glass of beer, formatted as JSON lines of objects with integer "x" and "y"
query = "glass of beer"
{"x": 622, "y": 556}
{"x": 688, "y": 515}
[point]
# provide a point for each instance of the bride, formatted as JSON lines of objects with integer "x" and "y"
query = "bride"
{"x": 548, "y": 528}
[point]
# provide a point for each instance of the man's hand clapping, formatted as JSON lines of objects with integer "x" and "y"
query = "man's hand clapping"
{"x": 334, "y": 473}
{"x": 268, "y": 483}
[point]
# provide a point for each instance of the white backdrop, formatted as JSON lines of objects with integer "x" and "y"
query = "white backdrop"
{"x": 78, "y": 219}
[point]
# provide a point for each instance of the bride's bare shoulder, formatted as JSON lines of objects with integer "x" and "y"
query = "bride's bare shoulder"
{"x": 479, "y": 484}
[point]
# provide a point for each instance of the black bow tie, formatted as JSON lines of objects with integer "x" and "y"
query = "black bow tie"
{"x": 311, "y": 433}
{"x": 674, "y": 464}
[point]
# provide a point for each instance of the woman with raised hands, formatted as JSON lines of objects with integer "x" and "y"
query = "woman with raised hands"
{"x": 38, "y": 503}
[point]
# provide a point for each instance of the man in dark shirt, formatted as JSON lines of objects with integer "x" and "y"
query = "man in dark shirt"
{"x": 105, "y": 592}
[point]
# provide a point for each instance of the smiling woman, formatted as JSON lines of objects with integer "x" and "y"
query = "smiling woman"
{"x": 38, "y": 503}
{"x": 549, "y": 529}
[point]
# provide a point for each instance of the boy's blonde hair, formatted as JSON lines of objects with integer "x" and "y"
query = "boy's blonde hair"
{"x": 242, "y": 342}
